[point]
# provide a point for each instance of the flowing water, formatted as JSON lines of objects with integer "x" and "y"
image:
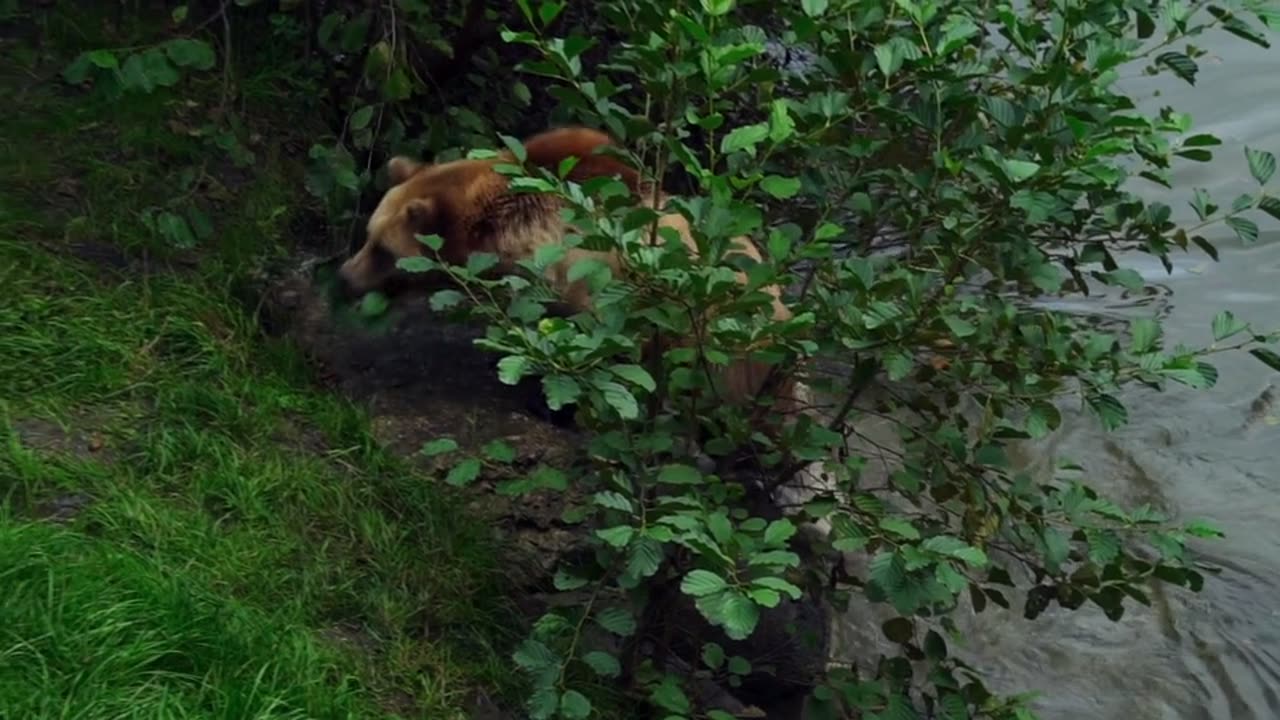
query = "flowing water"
{"x": 1213, "y": 454}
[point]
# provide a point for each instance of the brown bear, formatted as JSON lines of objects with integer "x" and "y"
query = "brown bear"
{"x": 469, "y": 205}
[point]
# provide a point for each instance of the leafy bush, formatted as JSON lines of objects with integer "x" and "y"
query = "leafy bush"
{"x": 919, "y": 174}
{"x": 932, "y": 168}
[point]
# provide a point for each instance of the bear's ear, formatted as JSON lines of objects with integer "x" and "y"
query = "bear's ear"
{"x": 421, "y": 214}
{"x": 401, "y": 168}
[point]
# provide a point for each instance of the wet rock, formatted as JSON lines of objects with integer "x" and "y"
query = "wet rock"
{"x": 64, "y": 508}
{"x": 72, "y": 439}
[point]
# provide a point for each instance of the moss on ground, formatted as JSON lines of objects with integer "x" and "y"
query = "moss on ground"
{"x": 190, "y": 526}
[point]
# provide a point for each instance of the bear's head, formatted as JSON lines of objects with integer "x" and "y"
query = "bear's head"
{"x": 424, "y": 199}
{"x": 466, "y": 203}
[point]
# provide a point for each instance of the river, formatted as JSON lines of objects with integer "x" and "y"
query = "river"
{"x": 1213, "y": 454}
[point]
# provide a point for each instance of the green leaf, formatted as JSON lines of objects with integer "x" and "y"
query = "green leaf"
{"x": 515, "y": 147}
{"x": 78, "y": 70}
{"x": 512, "y": 368}
{"x": 200, "y": 223}
{"x": 617, "y": 536}
{"x": 775, "y": 557}
{"x": 1181, "y": 65}
{"x": 721, "y": 527}
{"x": 1001, "y": 110}
{"x": 888, "y": 59}
{"x": 1056, "y": 548}
{"x": 717, "y": 7}
{"x": 533, "y": 655}
{"x": 973, "y": 556}
{"x": 542, "y": 703}
{"x": 613, "y": 500}
{"x": 549, "y": 10}
{"x": 712, "y": 655}
{"x": 899, "y": 527}
{"x": 1144, "y": 331}
{"x": 544, "y": 478}
{"x": 416, "y": 264}
{"x": 1270, "y": 206}
{"x": 1245, "y": 229}
{"x": 959, "y": 327}
{"x": 1262, "y": 164}
{"x": 587, "y": 268}
{"x": 1226, "y": 324}
{"x": 360, "y": 118}
{"x": 499, "y": 451}
{"x": 1104, "y": 548}
{"x": 1037, "y": 205}
{"x": 1019, "y": 170}
{"x": 1202, "y": 529}
{"x": 521, "y": 93}
{"x": 780, "y": 187}
{"x": 898, "y": 365}
{"x": 668, "y": 695}
{"x": 179, "y": 14}
{"x": 479, "y": 263}
{"x": 744, "y": 138}
{"x": 444, "y": 299}
{"x": 740, "y": 615}
{"x": 134, "y": 75}
{"x": 739, "y": 665}
{"x": 620, "y": 399}
{"x": 1201, "y": 140}
{"x": 764, "y": 597}
{"x": 679, "y": 475}
{"x": 943, "y": 544}
{"x": 636, "y": 375}
{"x": 1241, "y": 29}
{"x": 574, "y": 705}
{"x": 781, "y": 126}
{"x": 1200, "y": 377}
{"x": 827, "y": 231}
{"x": 779, "y": 531}
{"x": 175, "y": 230}
{"x": 189, "y": 53}
{"x": 1127, "y": 278}
{"x": 1267, "y": 357}
{"x": 560, "y": 390}
{"x": 374, "y": 304}
{"x": 644, "y": 557}
{"x": 1202, "y": 203}
{"x": 898, "y": 630}
{"x": 814, "y": 8}
{"x": 104, "y": 59}
{"x": 439, "y": 446}
{"x": 604, "y": 664}
{"x": 464, "y": 472}
{"x": 1110, "y": 411}
{"x": 617, "y": 621}
{"x": 564, "y": 581}
{"x": 1042, "y": 418}
{"x": 433, "y": 241}
{"x": 778, "y": 584}
{"x": 699, "y": 583}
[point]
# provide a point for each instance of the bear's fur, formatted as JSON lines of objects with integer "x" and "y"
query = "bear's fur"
{"x": 469, "y": 205}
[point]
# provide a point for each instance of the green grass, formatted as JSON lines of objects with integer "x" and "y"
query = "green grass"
{"x": 245, "y": 550}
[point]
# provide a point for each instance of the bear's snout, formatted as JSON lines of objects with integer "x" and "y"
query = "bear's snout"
{"x": 349, "y": 284}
